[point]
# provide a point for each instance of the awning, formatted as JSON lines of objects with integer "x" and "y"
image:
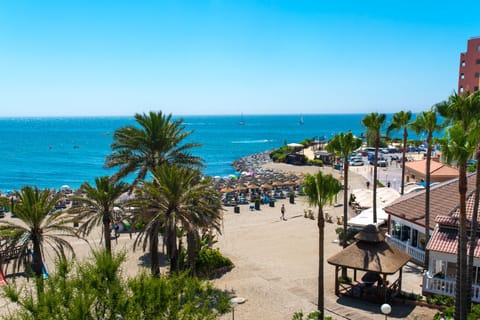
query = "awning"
{"x": 364, "y": 197}
{"x": 365, "y": 218}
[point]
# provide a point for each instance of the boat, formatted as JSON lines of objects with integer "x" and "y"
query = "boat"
{"x": 301, "y": 120}
{"x": 242, "y": 121}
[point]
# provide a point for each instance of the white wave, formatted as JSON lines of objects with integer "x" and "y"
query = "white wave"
{"x": 253, "y": 141}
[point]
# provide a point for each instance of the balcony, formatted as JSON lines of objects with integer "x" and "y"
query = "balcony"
{"x": 418, "y": 256}
{"x": 446, "y": 287}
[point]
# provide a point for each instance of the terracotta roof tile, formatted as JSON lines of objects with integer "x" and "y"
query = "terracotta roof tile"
{"x": 445, "y": 240}
{"x": 443, "y": 202}
{"x": 437, "y": 169}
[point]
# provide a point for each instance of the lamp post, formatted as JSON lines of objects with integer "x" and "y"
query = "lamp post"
{"x": 386, "y": 309}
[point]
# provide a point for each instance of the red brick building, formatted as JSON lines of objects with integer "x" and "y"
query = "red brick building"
{"x": 469, "y": 75}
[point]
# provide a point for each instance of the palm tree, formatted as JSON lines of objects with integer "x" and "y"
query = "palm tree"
{"x": 178, "y": 196}
{"x": 401, "y": 120}
{"x": 98, "y": 209}
{"x": 342, "y": 145}
{"x": 320, "y": 190}
{"x": 374, "y": 123}
{"x": 459, "y": 147}
{"x": 427, "y": 122}
{"x": 464, "y": 110}
{"x": 39, "y": 226}
{"x": 156, "y": 140}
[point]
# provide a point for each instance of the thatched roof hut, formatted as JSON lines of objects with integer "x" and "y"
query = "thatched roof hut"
{"x": 370, "y": 253}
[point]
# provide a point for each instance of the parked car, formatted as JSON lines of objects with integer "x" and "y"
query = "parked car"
{"x": 382, "y": 163}
{"x": 356, "y": 162}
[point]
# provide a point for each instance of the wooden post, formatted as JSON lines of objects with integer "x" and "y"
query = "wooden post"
{"x": 337, "y": 291}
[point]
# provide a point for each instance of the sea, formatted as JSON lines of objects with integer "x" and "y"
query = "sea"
{"x": 53, "y": 152}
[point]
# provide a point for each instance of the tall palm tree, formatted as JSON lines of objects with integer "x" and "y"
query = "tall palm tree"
{"x": 464, "y": 110}
{"x": 321, "y": 190}
{"x": 178, "y": 196}
{"x": 401, "y": 120}
{"x": 39, "y": 226}
{"x": 342, "y": 145}
{"x": 98, "y": 209}
{"x": 427, "y": 122}
{"x": 374, "y": 123}
{"x": 459, "y": 147}
{"x": 157, "y": 139}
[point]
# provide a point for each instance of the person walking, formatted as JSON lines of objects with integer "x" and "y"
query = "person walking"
{"x": 283, "y": 212}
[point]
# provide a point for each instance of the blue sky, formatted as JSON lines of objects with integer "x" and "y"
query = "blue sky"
{"x": 87, "y": 58}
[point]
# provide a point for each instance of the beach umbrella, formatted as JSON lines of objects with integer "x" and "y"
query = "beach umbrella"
{"x": 277, "y": 183}
{"x": 240, "y": 188}
{"x": 253, "y": 186}
{"x": 226, "y": 190}
{"x": 266, "y": 186}
{"x": 232, "y": 176}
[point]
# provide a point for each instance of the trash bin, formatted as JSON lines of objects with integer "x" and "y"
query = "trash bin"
{"x": 272, "y": 204}
{"x": 236, "y": 209}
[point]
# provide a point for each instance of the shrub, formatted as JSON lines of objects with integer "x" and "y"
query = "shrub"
{"x": 440, "y": 300}
{"x": 210, "y": 261}
{"x": 345, "y": 280}
{"x": 315, "y": 162}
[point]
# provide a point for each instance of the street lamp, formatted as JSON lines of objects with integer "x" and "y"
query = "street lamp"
{"x": 386, "y": 309}
{"x": 234, "y": 302}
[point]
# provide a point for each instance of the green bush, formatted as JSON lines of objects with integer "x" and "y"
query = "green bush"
{"x": 315, "y": 162}
{"x": 345, "y": 280}
{"x": 279, "y": 155}
{"x": 440, "y": 300}
{"x": 96, "y": 289}
{"x": 211, "y": 260}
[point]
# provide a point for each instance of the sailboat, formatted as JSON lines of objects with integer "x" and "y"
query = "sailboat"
{"x": 301, "y": 120}
{"x": 242, "y": 121}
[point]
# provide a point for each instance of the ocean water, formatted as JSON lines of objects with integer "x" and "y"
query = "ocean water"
{"x": 51, "y": 152}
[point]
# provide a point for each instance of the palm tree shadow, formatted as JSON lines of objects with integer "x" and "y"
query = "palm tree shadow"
{"x": 146, "y": 261}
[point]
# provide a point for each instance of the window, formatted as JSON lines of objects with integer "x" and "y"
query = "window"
{"x": 462, "y": 76}
{"x": 477, "y": 74}
{"x": 478, "y": 48}
{"x": 475, "y": 88}
{"x": 464, "y": 63}
{"x": 461, "y": 90}
{"x": 478, "y": 61}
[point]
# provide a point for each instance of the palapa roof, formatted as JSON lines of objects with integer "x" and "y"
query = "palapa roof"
{"x": 438, "y": 170}
{"x": 371, "y": 253}
{"x": 444, "y": 200}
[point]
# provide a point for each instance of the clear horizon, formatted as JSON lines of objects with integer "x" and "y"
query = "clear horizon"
{"x": 63, "y": 59}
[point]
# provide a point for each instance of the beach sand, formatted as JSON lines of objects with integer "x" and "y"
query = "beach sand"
{"x": 275, "y": 262}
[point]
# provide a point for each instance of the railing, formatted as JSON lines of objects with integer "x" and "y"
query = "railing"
{"x": 447, "y": 287}
{"x": 418, "y": 256}
{"x": 11, "y": 253}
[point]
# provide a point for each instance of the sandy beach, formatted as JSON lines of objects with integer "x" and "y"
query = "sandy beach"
{"x": 276, "y": 261}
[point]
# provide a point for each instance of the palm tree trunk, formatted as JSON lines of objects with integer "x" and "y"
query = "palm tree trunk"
{"x": 321, "y": 238}
{"x": 107, "y": 236}
{"x": 37, "y": 265}
{"x": 173, "y": 249}
{"x": 375, "y": 160}
{"x": 461, "y": 279}
{"x": 155, "y": 267}
{"x": 473, "y": 236}
{"x": 345, "y": 208}
{"x": 405, "y": 135}
{"x": 192, "y": 242}
{"x": 427, "y": 200}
